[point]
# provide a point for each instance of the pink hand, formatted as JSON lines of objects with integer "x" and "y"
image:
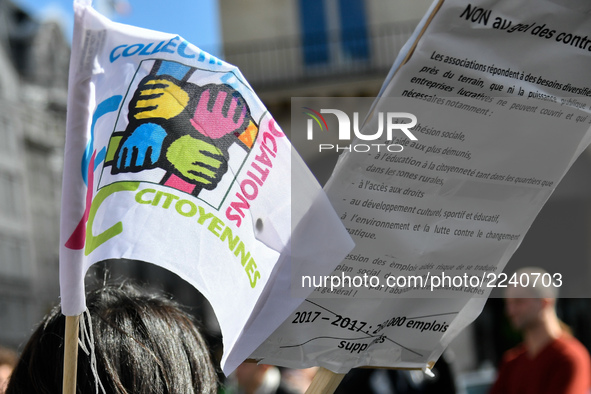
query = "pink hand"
{"x": 215, "y": 124}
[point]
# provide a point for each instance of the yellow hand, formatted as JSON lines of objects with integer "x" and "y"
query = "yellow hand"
{"x": 159, "y": 98}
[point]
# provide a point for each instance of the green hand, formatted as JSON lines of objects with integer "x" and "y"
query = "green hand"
{"x": 197, "y": 160}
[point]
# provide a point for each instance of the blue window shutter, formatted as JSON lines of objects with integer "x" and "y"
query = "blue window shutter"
{"x": 354, "y": 29}
{"x": 314, "y": 31}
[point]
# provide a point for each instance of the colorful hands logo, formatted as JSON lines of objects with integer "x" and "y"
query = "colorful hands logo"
{"x": 182, "y": 128}
{"x": 177, "y": 134}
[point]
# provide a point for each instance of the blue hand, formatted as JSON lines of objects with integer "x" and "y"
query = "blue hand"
{"x": 146, "y": 139}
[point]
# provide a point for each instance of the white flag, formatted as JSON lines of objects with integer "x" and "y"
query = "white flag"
{"x": 172, "y": 159}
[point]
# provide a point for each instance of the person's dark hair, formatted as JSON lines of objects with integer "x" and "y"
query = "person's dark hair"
{"x": 144, "y": 343}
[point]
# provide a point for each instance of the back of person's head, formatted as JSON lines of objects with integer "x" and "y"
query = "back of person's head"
{"x": 144, "y": 343}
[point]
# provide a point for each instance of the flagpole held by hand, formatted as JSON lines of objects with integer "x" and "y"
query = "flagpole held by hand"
{"x": 70, "y": 354}
{"x": 325, "y": 382}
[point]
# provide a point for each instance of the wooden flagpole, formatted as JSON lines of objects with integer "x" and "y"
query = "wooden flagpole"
{"x": 325, "y": 382}
{"x": 70, "y": 354}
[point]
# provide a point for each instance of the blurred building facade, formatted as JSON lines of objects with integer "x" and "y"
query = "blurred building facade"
{"x": 304, "y": 48}
{"x": 33, "y": 89}
{"x": 315, "y": 48}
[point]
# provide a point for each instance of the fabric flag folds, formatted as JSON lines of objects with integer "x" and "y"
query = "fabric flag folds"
{"x": 172, "y": 159}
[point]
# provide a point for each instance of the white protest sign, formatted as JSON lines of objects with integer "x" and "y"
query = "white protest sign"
{"x": 172, "y": 159}
{"x": 498, "y": 123}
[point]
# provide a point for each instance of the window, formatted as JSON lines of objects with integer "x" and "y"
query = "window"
{"x": 353, "y": 29}
{"x": 11, "y": 195}
{"x": 14, "y": 257}
{"x": 314, "y": 31}
{"x": 6, "y": 134}
{"x": 333, "y": 31}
